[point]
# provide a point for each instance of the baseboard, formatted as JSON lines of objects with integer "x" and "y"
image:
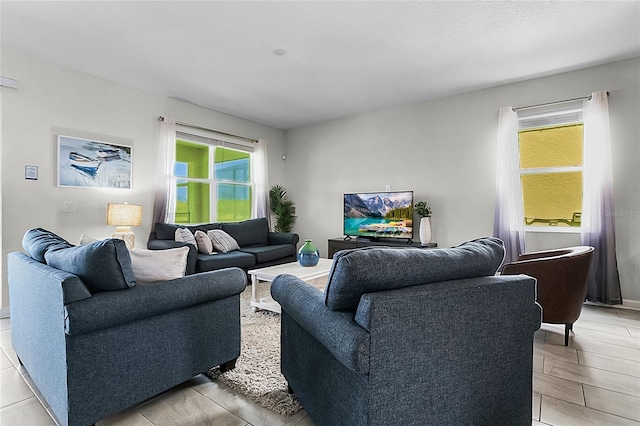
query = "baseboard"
{"x": 626, "y": 304}
{"x": 4, "y": 312}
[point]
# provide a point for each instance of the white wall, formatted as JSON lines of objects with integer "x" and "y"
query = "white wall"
{"x": 445, "y": 151}
{"x": 51, "y": 100}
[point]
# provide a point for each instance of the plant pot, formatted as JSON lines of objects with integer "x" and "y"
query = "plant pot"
{"x": 308, "y": 255}
{"x": 425, "y": 230}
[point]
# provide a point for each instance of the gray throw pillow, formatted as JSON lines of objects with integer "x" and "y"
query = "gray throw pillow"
{"x": 102, "y": 266}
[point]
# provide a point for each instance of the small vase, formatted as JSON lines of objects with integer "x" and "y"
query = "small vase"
{"x": 308, "y": 255}
{"x": 425, "y": 230}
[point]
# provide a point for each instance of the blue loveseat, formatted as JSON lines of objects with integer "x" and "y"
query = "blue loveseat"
{"x": 95, "y": 342}
{"x": 411, "y": 337}
{"x": 259, "y": 247}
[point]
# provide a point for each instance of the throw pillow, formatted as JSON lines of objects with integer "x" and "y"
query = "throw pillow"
{"x": 222, "y": 241}
{"x": 158, "y": 265}
{"x": 37, "y": 242}
{"x": 102, "y": 266}
{"x": 205, "y": 246}
{"x": 85, "y": 239}
{"x": 184, "y": 235}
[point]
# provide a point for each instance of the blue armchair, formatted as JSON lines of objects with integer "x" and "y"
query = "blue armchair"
{"x": 95, "y": 343}
{"x": 401, "y": 337}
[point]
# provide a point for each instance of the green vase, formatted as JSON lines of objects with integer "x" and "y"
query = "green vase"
{"x": 308, "y": 255}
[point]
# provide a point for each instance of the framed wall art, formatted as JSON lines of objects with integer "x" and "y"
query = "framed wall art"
{"x": 93, "y": 164}
{"x": 31, "y": 172}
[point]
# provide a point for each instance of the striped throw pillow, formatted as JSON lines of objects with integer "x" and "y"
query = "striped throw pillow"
{"x": 222, "y": 241}
{"x": 184, "y": 235}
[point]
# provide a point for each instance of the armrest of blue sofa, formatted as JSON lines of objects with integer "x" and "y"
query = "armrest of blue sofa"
{"x": 276, "y": 238}
{"x": 169, "y": 244}
{"x": 337, "y": 331}
{"x": 110, "y": 308}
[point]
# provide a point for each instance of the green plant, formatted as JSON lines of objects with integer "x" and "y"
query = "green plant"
{"x": 422, "y": 209}
{"x": 283, "y": 208}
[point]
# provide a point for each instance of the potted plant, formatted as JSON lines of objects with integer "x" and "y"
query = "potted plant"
{"x": 283, "y": 208}
{"x": 423, "y": 210}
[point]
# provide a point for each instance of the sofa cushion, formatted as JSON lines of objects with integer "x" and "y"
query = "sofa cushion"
{"x": 37, "y": 241}
{"x": 253, "y": 232}
{"x": 224, "y": 260}
{"x": 205, "y": 227}
{"x": 268, "y": 253}
{"x": 102, "y": 266}
{"x": 222, "y": 242}
{"x": 158, "y": 265}
{"x": 357, "y": 272}
{"x": 165, "y": 231}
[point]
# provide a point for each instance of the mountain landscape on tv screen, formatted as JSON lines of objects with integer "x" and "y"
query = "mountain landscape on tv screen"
{"x": 375, "y": 215}
{"x": 372, "y": 205}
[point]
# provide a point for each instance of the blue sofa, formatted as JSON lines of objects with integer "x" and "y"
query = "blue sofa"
{"x": 95, "y": 342}
{"x": 259, "y": 247}
{"x": 411, "y": 337}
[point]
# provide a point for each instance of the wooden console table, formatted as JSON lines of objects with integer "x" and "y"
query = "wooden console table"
{"x": 337, "y": 244}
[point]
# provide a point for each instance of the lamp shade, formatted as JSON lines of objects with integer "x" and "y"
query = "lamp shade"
{"x": 124, "y": 214}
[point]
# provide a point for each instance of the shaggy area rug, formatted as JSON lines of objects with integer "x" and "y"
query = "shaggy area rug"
{"x": 257, "y": 373}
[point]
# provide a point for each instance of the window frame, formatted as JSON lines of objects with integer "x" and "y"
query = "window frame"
{"x": 555, "y": 118}
{"x": 213, "y": 142}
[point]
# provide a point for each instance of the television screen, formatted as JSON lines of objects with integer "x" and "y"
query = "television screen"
{"x": 379, "y": 214}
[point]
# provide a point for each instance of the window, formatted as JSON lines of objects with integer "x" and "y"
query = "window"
{"x": 213, "y": 181}
{"x": 551, "y": 158}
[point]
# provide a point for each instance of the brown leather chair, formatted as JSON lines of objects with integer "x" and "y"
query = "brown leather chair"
{"x": 562, "y": 282}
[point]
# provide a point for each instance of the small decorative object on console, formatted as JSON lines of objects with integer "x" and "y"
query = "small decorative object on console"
{"x": 424, "y": 211}
{"x": 308, "y": 255}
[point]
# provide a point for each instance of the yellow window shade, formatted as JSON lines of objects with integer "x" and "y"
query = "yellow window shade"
{"x": 552, "y": 199}
{"x": 551, "y": 147}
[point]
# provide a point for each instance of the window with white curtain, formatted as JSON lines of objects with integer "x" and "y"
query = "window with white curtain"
{"x": 550, "y": 147}
{"x": 214, "y": 180}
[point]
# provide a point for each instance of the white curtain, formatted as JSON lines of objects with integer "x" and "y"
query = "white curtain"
{"x": 508, "y": 222}
{"x": 165, "y": 182}
{"x": 598, "y": 212}
{"x": 260, "y": 176}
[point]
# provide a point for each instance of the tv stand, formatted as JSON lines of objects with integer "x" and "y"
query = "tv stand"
{"x": 337, "y": 244}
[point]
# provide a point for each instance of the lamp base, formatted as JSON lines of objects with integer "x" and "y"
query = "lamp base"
{"x": 128, "y": 237}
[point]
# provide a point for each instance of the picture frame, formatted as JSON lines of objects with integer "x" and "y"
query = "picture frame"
{"x": 31, "y": 172}
{"x": 88, "y": 163}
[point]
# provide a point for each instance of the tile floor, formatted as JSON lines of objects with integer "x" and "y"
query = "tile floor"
{"x": 594, "y": 381}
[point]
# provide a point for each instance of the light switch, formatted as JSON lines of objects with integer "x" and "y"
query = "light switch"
{"x": 68, "y": 206}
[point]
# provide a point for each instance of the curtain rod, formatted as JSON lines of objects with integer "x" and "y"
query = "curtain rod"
{"x": 161, "y": 118}
{"x": 555, "y": 103}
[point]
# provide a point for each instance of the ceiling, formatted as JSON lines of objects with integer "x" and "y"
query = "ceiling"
{"x": 342, "y": 58}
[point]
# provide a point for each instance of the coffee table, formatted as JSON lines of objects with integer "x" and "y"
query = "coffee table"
{"x": 268, "y": 274}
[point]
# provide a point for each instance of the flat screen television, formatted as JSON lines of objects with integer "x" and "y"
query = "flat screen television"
{"x": 375, "y": 215}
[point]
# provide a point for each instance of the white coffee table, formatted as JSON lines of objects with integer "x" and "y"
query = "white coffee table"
{"x": 305, "y": 273}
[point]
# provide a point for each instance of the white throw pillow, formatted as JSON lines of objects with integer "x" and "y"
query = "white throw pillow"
{"x": 222, "y": 241}
{"x": 184, "y": 235}
{"x": 205, "y": 246}
{"x": 85, "y": 239}
{"x": 158, "y": 265}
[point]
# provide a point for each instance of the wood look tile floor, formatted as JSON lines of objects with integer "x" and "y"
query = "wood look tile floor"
{"x": 593, "y": 381}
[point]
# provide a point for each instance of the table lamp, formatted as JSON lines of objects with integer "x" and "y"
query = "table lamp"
{"x": 124, "y": 216}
